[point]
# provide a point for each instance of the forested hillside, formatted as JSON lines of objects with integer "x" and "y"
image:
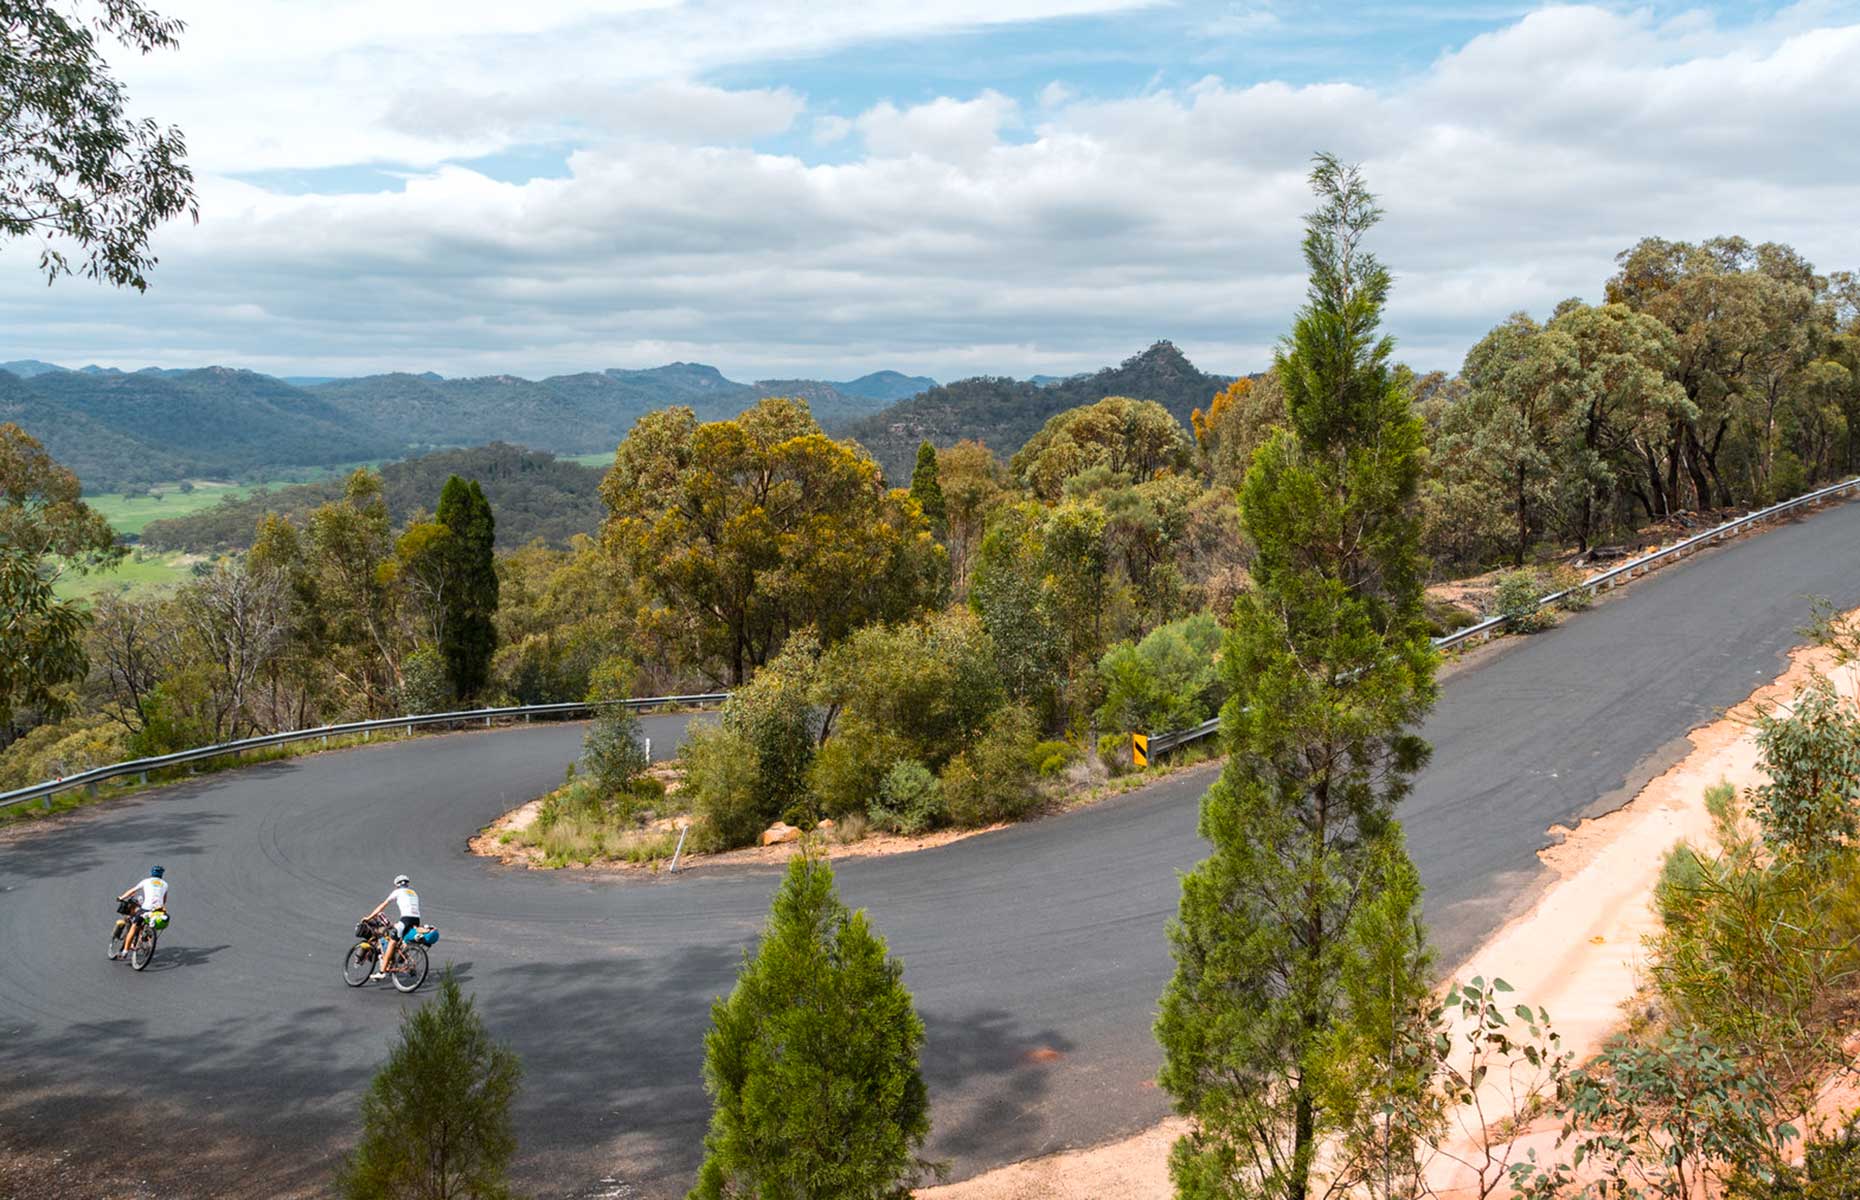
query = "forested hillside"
{"x": 1003, "y": 413}
{"x": 121, "y": 429}
{"x": 535, "y": 495}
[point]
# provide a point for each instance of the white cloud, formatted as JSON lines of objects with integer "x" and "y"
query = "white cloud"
{"x": 961, "y": 234}
{"x": 955, "y": 131}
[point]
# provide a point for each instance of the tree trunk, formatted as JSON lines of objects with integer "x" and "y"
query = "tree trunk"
{"x": 1524, "y": 522}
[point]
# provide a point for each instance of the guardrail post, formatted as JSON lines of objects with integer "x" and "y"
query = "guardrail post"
{"x": 142, "y": 777}
{"x": 487, "y": 722}
{"x": 409, "y": 730}
{"x": 90, "y": 789}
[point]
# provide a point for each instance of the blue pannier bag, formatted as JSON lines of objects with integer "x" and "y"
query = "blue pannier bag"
{"x": 427, "y": 936}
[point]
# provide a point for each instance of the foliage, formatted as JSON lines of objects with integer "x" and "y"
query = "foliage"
{"x": 994, "y": 780}
{"x": 973, "y": 484}
{"x": 66, "y": 747}
{"x": 1136, "y": 440}
{"x": 1237, "y": 422}
{"x": 927, "y": 489}
{"x": 43, "y": 525}
{"x": 1170, "y": 680}
{"x": 1808, "y": 806}
{"x": 910, "y": 800}
{"x": 1751, "y": 946}
{"x": 77, "y": 169}
{"x": 467, "y": 634}
{"x": 1114, "y": 752}
{"x": 1329, "y": 668}
{"x": 614, "y": 750}
{"x": 723, "y": 783}
{"x": 424, "y": 687}
{"x": 536, "y": 497}
{"x": 1516, "y": 598}
{"x": 820, "y": 1011}
{"x": 750, "y": 529}
{"x": 1671, "y": 1119}
{"x": 931, "y": 683}
{"x": 436, "y": 1119}
{"x": 848, "y": 771}
{"x": 1830, "y": 1170}
{"x": 1475, "y": 1041}
{"x": 1004, "y": 414}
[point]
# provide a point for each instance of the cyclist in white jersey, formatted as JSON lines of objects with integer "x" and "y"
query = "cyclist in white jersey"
{"x": 151, "y": 896}
{"x": 407, "y": 904}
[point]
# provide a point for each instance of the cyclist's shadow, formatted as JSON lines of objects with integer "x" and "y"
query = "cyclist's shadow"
{"x": 175, "y": 958}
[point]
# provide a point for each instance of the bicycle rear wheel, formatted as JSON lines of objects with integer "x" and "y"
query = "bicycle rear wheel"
{"x": 412, "y": 970}
{"x": 144, "y": 949}
{"x": 359, "y": 965}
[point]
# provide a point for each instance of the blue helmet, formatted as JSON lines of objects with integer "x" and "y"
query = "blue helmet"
{"x": 155, "y": 872}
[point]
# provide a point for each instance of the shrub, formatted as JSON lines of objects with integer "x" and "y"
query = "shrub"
{"x": 613, "y": 750}
{"x": 994, "y": 780}
{"x": 1050, "y": 758}
{"x": 424, "y": 687}
{"x": 725, "y": 789}
{"x": 1564, "y": 578}
{"x": 436, "y": 1119}
{"x": 65, "y": 748}
{"x": 819, "y": 1011}
{"x": 1516, "y": 599}
{"x": 1114, "y": 752}
{"x": 1443, "y": 617}
{"x": 910, "y": 800}
{"x": 1830, "y": 1170}
{"x": 930, "y": 683}
{"x": 779, "y": 726}
{"x": 1809, "y": 805}
{"x": 1169, "y": 680}
{"x": 850, "y": 768}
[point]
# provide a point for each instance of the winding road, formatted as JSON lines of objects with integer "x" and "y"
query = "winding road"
{"x": 235, "y": 1063}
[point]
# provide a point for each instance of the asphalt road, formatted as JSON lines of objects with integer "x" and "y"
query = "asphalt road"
{"x": 238, "y": 1058}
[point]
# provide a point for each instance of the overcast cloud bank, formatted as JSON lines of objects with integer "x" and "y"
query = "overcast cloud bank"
{"x": 950, "y": 236}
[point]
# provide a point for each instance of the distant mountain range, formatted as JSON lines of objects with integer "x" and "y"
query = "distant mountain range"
{"x": 1004, "y": 413}
{"x": 117, "y": 428}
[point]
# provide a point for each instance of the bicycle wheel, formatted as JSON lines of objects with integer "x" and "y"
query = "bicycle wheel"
{"x": 412, "y": 970}
{"x": 116, "y": 938}
{"x": 144, "y": 949}
{"x": 359, "y": 965}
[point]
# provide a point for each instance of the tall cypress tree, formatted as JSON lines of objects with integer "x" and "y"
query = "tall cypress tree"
{"x": 927, "y": 489}
{"x": 1330, "y": 669}
{"x": 468, "y": 635}
{"x": 812, "y": 1061}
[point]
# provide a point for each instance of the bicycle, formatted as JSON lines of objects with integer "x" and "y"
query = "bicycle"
{"x": 406, "y": 970}
{"x": 136, "y": 933}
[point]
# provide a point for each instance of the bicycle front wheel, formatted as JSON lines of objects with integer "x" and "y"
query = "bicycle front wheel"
{"x": 359, "y": 965}
{"x": 144, "y": 951}
{"x": 116, "y": 939}
{"x": 412, "y": 970}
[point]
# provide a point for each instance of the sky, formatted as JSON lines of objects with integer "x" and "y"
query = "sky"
{"x": 941, "y": 187}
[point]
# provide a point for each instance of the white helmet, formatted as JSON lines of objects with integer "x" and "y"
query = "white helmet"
{"x": 401, "y": 881}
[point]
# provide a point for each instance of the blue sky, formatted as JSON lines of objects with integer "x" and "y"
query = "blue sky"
{"x": 1014, "y": 186}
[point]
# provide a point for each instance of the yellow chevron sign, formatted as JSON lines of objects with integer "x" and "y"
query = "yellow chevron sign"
{"x": 1140, "y": 749}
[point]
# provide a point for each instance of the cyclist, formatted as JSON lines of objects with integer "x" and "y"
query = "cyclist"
{"x": 151, "y": 896}
{"x": 407, "y": 903}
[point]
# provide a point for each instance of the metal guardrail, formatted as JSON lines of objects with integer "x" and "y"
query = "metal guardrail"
{"x": 1162, "y": 743}
{"x": 142, "y": 766}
